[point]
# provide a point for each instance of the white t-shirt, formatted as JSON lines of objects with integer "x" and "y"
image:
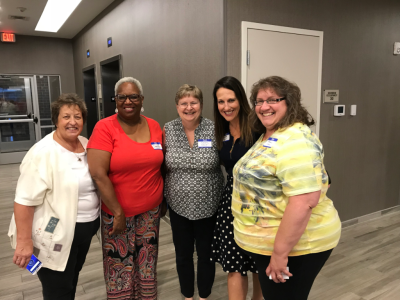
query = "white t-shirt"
{"x": 88, "y": 201}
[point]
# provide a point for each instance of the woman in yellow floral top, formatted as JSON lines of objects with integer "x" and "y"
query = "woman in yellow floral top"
{"x": 282, "y": 215}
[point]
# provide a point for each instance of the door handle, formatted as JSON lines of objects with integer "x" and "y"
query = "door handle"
{"x": 35, "y": 119}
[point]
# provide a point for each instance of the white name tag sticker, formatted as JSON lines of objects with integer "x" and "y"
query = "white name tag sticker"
{"x": 156, "y": 146}
{"x": 204, "y": 143}
{"x": 227, "y": 137}
{"x": 270, "y": 142}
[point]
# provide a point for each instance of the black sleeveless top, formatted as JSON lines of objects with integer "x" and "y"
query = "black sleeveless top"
{"x": 230, "y": 154}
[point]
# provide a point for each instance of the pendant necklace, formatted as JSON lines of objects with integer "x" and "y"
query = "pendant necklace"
{"x": 77, "y": 156}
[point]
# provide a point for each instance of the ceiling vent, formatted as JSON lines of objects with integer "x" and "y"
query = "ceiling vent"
{"x": 18, "y": 18}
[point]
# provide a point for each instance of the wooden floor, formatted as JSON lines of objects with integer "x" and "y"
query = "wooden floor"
{"x": 365, "y": 265}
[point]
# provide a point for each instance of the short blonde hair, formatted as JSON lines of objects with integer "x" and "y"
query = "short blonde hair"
{"x": 188, "y": 90}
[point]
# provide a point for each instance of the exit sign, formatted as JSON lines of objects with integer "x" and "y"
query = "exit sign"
{"x": 8, "y": 37}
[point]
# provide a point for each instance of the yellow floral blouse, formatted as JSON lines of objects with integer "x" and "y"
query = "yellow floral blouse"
{"x": 289, "y": 163}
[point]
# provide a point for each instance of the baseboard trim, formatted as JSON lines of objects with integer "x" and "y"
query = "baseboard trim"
{"x": 12, "y": 157}
{"x": 371, "y": 216}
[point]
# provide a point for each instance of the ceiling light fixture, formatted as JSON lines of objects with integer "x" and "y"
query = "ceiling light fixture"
{"x": 55, "y": 14}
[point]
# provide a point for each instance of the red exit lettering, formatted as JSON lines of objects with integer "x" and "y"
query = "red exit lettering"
{"x": 8, "y": 37}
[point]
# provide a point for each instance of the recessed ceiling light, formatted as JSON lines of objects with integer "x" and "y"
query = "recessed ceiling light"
{"x": 55, "y": 14}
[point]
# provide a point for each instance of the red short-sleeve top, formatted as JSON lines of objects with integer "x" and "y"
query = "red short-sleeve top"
{"x": 135, "y": 168}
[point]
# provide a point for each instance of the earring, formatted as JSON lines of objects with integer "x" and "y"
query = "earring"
{"x": 142, "y": 109}
{"x": 116, "y": 110}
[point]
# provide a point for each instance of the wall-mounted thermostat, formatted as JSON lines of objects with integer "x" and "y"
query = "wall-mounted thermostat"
{"x": 339, "y": 110}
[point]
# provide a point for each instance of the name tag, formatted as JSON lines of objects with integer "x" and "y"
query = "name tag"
{"x": 270, "y": 142}
{"x": 227, "y": 137}
{"x": 204, "y": 143}
{"x": 156, "y": 146}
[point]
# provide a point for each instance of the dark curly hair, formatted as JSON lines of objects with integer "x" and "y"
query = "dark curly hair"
{"x": 296, "y": 112}
{"x": 69, "y": 100}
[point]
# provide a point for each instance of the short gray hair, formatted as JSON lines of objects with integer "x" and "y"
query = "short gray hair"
{"x": 131, "y": 80}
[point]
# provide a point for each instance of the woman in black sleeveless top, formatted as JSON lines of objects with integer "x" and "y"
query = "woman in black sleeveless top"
{"x": 234, "y": 138}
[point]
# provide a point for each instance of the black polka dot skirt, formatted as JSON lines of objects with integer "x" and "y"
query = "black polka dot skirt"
{"x": 225, "y": 251}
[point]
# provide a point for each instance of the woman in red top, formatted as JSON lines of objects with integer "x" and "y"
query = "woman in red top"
{"x": 125, "y": 157}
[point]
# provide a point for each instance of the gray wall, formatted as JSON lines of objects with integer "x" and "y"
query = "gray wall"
{"x": 39, "y": 55}
{"x": 361, "y": 152}
{"x": 167, "y": 43}
{"x": 164, "y": 44}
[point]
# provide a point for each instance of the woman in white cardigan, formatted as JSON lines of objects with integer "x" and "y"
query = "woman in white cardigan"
{"x": 56, "y": 207}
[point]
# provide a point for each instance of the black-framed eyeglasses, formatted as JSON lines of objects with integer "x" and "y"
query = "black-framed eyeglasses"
{"x": 132, "y": 98}
{"x": 260, "y": 102}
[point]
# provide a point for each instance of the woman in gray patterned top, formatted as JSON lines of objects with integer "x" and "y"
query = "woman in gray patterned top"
{"x": 193, "y": 186}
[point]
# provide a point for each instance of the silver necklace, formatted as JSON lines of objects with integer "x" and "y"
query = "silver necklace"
{"x": 77, "y": 156}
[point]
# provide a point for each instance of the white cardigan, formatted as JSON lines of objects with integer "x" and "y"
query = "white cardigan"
{"x": 47, "y": 182}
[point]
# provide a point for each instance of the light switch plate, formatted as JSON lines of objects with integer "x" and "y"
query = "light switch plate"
{"x": 396, "y": 49}
{"x": 353, "y": 110}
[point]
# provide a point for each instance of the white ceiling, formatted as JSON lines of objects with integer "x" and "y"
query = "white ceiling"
{"x": 86, "y": 11}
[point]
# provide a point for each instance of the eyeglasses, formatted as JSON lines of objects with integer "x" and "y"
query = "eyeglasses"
{"x": 132, "y": 98}
{"x": 186, "y": 104}
{"x": 260, "y": 102}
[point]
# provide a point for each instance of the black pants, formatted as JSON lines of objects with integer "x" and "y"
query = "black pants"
{"x": 304, "y": 268}
{"x": 62, "y": 285}
{"x": 185, "y": 234}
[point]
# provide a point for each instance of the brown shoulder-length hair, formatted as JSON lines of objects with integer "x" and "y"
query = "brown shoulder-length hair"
{"x": 296, "y": 112}
{"x": 221, "y": 125}
{"x": 70, "y": 99}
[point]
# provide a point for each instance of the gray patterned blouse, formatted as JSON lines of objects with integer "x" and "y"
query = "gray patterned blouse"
{"x": 194, "y": 180}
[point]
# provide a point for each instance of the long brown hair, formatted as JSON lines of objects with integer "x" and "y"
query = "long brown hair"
{"x": 296, "y": 112}
{"x": 221, "y": 125}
